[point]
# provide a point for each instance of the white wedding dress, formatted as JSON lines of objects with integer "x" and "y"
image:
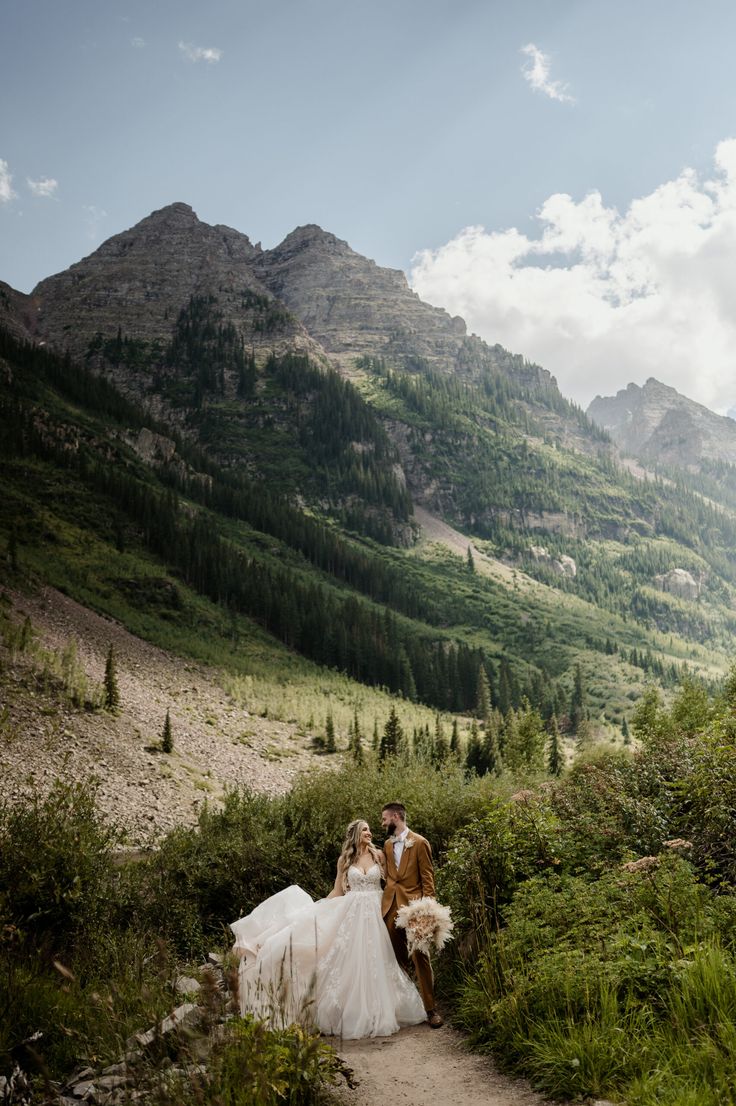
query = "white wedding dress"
{"x": 329, "y": 962}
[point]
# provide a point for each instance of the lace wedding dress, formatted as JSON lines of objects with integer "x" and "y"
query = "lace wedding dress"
{"x": 329, "y": 961}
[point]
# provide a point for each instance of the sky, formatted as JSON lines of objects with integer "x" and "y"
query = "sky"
{"x": 561, "y": 173}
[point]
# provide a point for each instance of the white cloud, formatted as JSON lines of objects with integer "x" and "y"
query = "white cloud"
{"x": 95, "y": 216}
{"x": 536, "y": 71}
{"x": 6, "y": 183}
{"x": 209, "y": 54}
{"x": 45, "y": 187}
{"x": 139, "y": 43}
{"x": 601, "y": 297}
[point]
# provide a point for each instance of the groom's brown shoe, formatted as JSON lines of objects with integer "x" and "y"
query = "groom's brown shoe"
{"x": 434, "y": 1019}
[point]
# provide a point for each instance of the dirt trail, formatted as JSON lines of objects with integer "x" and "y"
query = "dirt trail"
{"x": 427, "y": 1067}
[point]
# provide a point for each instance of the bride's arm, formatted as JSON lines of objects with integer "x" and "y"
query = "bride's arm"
{"x": 337, "y": 889}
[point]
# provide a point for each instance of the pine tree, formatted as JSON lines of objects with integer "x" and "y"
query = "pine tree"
{"x": 440, "y": 749}
{"x": 111, "y": 692}
{"x": 376, "y": 739}
{"x": 505, "y": 690}
{"x": 474, "y": 751}
{"x": 491, "y": 759}
{"x": 469, "y": 560}
{"x": 625, "y": 732}
{"x": 554, "y": 751}
{"x": 13, "y": 551}
{"x": 577, "y": 701}
{"x": 392, "y": 738}
{"x": 167, "y": 738}
{"x": 355, "y": 742}
{"x": 330, "y": 745}
{"x": 455, "y": 740}
{"x": 482, "y": 695}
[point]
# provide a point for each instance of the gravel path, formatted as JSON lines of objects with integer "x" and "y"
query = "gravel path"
{"x": 426, "y": 1067}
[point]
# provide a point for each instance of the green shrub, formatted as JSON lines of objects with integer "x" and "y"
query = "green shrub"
{"x": 257, "y": 1066}
{"x": 55, "y": 866}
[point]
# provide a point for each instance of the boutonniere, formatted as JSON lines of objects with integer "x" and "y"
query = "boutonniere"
{"x": 409, "y": 843}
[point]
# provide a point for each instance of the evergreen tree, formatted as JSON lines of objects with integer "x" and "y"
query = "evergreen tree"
{"x": 13, "y": 551}
{"x": 422, "y": 744}
{"x": 455, "y": 740}
{"x": 482, "y": 695}
{"x": 585, "y": 737}
{"x": 577, "y": 701}
{"x": 525, "y": 739}
{"x": 355, "y": 747}
{"x": 330, "y": 745}
{"x": 111, "y": 692}
{"x": 392, "y": 738}
{"x": 376, "y": 739}
{"x": 491, "y": 759}
{"x": 474, "y": 752}
{"x": 625, "y": 732}
{"x": 505, "y": 690}
{"x": 26, "y": 634}
{"x": 440, "y": 749}
{"x": 167, "y": 738}
{"x": 555, "y": 760}
{"x": 469, "y": 560}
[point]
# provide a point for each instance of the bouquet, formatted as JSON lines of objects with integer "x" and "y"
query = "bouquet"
{"x": 427, "y": 923}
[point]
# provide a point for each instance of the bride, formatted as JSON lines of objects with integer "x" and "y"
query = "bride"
{"x": 329, "y": 961}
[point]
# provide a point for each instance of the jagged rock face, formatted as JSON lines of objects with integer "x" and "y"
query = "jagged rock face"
{"x": 15, "y": 311}
{"x": 353, "y": 306}
{"x": 658, "y": 424}
{"x": 139, "y": 281}
{"x": 563, "y": 565}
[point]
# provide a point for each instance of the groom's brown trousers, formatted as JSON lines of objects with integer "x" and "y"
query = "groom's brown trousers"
{"x": 422, "y": 965}
{"x": 413, "y": 879}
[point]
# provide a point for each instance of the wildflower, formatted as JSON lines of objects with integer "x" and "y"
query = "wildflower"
{"x": 678, "y": 844}
{"x": 523, "y": 796}
{"x": 643, "y": 864}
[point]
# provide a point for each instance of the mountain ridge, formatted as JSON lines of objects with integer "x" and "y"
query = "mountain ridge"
{"x": 659, "y": 424}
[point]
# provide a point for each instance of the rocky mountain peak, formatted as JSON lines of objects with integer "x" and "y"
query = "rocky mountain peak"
{"x": 310, "y": 236}
{"x": 139, "y": 280}
{"x": 658, "y": 424}
{"x": 353, "y": 306}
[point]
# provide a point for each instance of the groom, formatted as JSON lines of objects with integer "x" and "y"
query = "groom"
{"x": 409, "y": 875}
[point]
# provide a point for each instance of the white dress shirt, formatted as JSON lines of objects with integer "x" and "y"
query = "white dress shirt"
{"x": 399, "y": 846}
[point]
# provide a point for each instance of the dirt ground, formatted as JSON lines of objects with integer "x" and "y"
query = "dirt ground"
{"x": 426, "y": 1067}
{"x": 216, "y": 743}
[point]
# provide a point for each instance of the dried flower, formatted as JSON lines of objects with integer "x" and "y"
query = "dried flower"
{"x": 643, "y": 864}
{"x": 427, "y": 923}
{"x": 678, "y": 844}
{"x": 523, "y": 796}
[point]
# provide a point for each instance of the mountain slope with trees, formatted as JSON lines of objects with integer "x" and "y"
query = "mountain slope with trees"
{"x": 262, "y": 424}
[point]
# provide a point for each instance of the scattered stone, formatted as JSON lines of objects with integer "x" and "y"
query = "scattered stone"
{"x": 215, "y": 959}
{"x": 186, "y": 1016}
{"x": 186, "y": 985}
{"x": 84, "y": 1090}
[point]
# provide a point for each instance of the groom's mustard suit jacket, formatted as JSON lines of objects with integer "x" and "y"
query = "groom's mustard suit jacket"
{"x": 415, "y": 875}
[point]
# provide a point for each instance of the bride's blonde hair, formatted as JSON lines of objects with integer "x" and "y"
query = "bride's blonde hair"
{"x": 351, "y": 850}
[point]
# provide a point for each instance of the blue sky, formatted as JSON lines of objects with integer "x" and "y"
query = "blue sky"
{"x": 399, "y": 125}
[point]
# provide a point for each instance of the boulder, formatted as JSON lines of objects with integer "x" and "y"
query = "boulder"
{"x": 186, "y": 985}
{"x": 679, "y": 582}
{"x": 186, "y": 1016}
